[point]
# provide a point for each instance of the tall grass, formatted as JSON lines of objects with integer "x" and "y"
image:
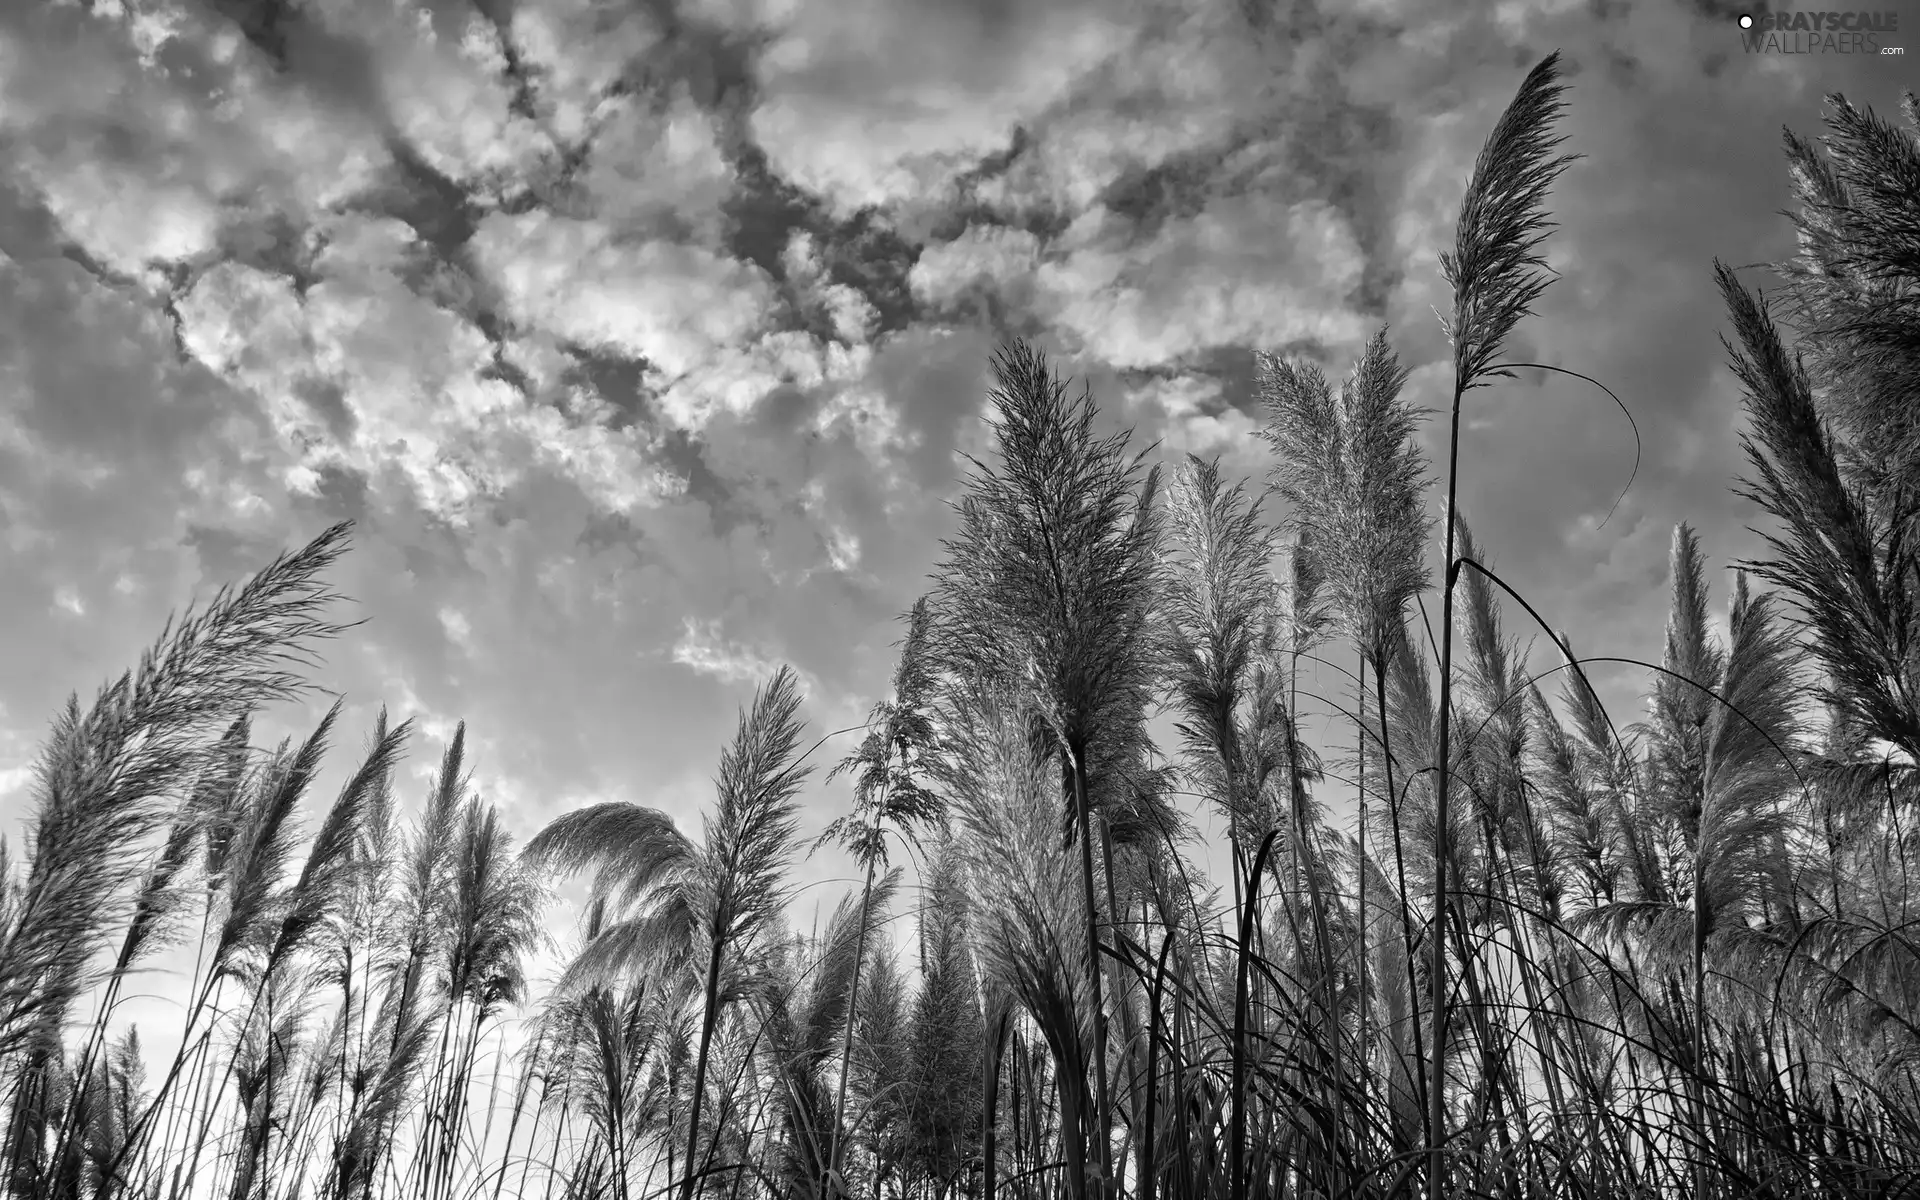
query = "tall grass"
{"x": 1553, "y": 956}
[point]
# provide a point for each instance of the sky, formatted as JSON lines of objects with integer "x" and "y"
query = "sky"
{"x": 640, "y": 338}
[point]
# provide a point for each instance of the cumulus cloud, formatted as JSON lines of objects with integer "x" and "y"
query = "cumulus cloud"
{"x": 672, "y": 305}
{"x": 990, "y": 257}
{"x": 872, "y": 102}
{"x": 1239, "y": 273}
{"x": 703, "y": 648}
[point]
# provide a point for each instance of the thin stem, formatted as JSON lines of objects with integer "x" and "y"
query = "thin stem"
{"x": 707, "y": 1021}
{"x": 1437, "y": 1098}
{"x": 828, "y": 1185}
{"x": 1103, "y": 1116}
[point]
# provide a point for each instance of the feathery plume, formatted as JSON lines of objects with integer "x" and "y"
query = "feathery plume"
{"x": 1353, "y": 477}
{"x": 1495, "y": 268}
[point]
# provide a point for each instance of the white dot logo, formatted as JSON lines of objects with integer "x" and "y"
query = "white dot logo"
{"x": 1746, "y": 21}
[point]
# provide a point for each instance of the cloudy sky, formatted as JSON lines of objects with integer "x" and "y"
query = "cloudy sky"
{"x": 639, "y": 336}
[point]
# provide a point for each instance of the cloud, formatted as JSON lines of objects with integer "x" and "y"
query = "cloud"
{"x": 442, "y": 88}
{"x": 673, "y": 305}
{"x": 703, "y": 648}
{"x": 1193, "y": 416}
{"x": 870, "y": 103}
{"x": 1239, "y": 273}
{"x": 991, "y": 257}
{"x": 146, "y": 142}
{"x": 576, "y": 51}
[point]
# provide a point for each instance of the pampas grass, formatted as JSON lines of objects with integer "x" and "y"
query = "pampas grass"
{"x": 1048, "y": 586}
{"x": 713, "y": 903}
{"x": 888, "y": 797}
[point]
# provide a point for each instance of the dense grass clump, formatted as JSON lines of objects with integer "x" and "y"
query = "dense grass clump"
{"x": 1551, "y": 957}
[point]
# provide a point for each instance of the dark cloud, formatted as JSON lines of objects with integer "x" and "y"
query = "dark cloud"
{"x": 269, "y": 241}
{"x": 618, "y": 380}
{"x": 225, "y": 554}
{"x": 622, "y": 383}
{"x": 763, "y": 212}
{"x": 338, "y": 67}
{"x": 440, "y": 210}
{"x": 863, "y": 251}
{"x": 714, "y": 63}
{"x": 341, "y": 494}
{"x": 327, "y": 400}
{"x": 265, "y": 23}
